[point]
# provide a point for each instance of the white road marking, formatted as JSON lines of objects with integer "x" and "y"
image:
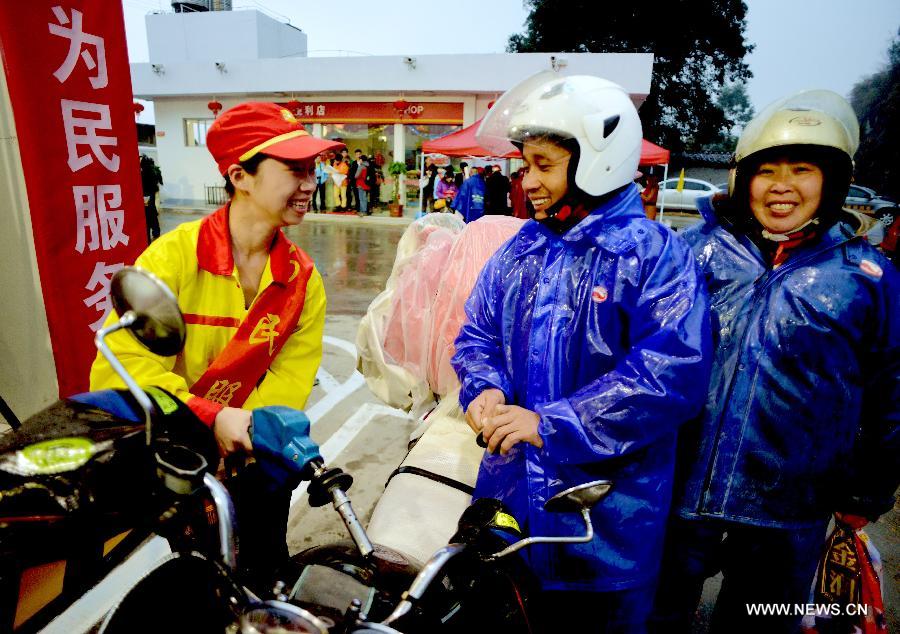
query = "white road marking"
{"x": 338, "y": 394}
{"x": 326, "y": 381}
{"x": 343, "y": 344}
{"x": 334, "y": 392}
{"x": 345, "y": 434}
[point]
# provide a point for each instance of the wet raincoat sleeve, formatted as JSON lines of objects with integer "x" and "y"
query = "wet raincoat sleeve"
{"x": 480, "y": 361}
{"x": 876, "y": 469}
{"x": 661, "y": 382}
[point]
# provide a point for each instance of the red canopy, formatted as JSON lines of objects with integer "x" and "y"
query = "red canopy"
{"x": 653, "y": 154}
{"x": 463, "y": 143}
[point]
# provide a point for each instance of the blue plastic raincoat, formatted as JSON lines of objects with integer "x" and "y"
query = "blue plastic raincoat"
{"x": 470, "y": 199}
{"x": 803, "y": 417}
{"x": 604, "y": 332}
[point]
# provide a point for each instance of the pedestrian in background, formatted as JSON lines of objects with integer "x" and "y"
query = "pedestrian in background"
{"x": 650, "y": 194}
{"x": 469, "y": 201}
{"x": 517, "y": 195}
{"x": 321, "y": 181}
{"x": 497, "y": 196}
{"x": 362, "y": 186}
{"x": 151, "y": 179}
{"x": 431, "y": 173}
{"x": 803, "y": 415}
{"x": 352, "y": 192}
{"x": 585, "y": 347}
{"x": 462, "y": 174}
{"x": 341, "y": 182}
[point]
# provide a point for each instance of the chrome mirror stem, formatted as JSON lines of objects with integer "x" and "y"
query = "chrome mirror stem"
{"x": 225, "y": 513}
{"x": 522, "y": 543}
{"x": 143, "y": 400}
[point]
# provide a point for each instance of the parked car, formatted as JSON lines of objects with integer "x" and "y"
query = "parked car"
{"x": 685, "y": 200}
{"x": 868, "y": 201}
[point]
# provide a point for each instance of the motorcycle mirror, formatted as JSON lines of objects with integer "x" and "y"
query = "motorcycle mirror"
{"x": 577, "y": 499}
{"x": 158, "y": 323}
{"x": 583, "y": 496}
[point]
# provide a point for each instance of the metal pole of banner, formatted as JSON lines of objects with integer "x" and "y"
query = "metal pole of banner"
{"x": 421, "y": 183}
{"x": 662, "y": 200}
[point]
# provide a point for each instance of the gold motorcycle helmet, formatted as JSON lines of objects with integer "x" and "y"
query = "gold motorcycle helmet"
{"x": 812, "y": 125}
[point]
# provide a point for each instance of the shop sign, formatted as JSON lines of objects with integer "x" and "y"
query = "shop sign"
{"x": 425, "y": 112}
{"x": 70, "y": 86}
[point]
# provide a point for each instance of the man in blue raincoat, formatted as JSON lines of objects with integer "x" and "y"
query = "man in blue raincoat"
{"x": 470, "y": 199}
{"x": 586, "y": 346}
{"x": 803, "y": 417}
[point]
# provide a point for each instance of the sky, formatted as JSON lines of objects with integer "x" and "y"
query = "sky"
{"x": 799, "y": 43}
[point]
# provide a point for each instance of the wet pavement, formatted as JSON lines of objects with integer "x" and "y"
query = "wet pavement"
{"x": 354, "y": 259}
{"x": 354, "y": 255}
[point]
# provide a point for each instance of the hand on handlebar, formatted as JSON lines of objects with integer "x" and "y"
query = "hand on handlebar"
{"x": 231, "y": 429}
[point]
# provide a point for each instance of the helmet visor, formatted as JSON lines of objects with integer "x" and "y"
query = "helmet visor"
{"x": 831, "y": 122}
{"x": 513, "y": 118}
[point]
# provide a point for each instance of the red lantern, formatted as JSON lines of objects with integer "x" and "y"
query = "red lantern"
{"x": 491, "y": 104}
{"x": 294, "y": 106}
{"x": 215, "y": 106}
{"x": 400, "y": 105}
{"x": 138, "y": 109}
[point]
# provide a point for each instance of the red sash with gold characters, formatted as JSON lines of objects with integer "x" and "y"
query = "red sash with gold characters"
{"x": 236, "y": 371}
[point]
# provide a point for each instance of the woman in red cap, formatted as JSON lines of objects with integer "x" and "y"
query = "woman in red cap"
{"x": 253, "y": 302}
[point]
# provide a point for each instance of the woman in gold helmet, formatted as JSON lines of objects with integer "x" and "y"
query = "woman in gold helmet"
{"x": 802, "y": 416}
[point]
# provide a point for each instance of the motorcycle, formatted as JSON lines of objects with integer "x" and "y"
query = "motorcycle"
{"x": 85, "y": 483}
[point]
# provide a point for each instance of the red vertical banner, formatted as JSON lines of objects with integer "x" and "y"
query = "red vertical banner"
{"x": 66, "y": 66}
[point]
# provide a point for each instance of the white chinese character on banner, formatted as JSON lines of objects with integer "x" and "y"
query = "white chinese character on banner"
{"x": 77, "y": 40}
{"x": 308, "y": 110}
{"x": 100, "y": 215}
{"x": 320, "y": 110}
{"x": 99, "y": 282}
{"x": 91, "y": 125}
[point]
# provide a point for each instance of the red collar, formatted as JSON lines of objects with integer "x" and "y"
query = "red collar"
{"x": 214, "y": 248}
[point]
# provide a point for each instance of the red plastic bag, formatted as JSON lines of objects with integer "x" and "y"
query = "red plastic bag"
{"x": 848, "y": 586}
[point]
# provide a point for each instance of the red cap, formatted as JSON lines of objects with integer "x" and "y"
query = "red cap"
{"x": 241, "y": 132}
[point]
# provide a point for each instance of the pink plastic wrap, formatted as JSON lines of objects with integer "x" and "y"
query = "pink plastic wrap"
{"x": 471, "y": 249}
{"x": 407, "y": 331}
{"x": 405, "y": 340}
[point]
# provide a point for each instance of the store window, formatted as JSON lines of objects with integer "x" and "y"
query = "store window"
{"x": 417, "y": 134}
{"x": 374, "y": 140}
{"x": 195, "y": 131}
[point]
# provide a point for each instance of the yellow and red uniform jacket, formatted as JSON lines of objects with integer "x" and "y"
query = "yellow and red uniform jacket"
{"x": 198, "y": 267}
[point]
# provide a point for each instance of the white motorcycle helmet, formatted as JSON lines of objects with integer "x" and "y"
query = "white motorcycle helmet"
{"x": 596, "y": 113}
{"x": 815, "y": 125}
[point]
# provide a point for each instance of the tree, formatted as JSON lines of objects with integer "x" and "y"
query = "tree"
{"x": 735, "y": 104}
{"x": 876, "y": 100}
{"x": 698, "y": 47}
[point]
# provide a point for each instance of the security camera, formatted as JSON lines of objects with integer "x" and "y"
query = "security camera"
{"x": 410, "y": 61}
{"x": 558, "y": 62}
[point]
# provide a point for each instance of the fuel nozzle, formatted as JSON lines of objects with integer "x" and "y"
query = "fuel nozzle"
{"x": 330, "y": 484}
